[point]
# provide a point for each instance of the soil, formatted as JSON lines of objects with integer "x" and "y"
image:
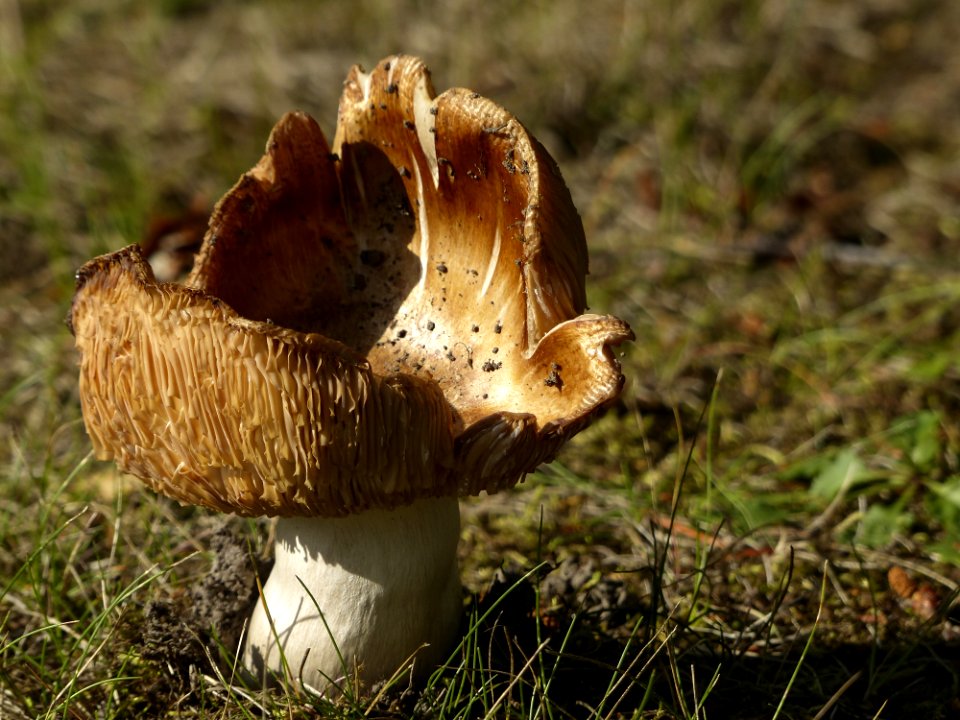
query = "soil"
{"x": 186, "y": 632}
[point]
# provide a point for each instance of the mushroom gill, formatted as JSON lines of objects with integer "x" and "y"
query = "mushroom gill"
{"x": 243, "y": 416}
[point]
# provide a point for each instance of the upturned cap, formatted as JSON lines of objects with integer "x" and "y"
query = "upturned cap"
{"x": 400, "y": 316}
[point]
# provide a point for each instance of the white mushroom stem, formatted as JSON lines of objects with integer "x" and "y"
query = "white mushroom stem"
{"x": 386, "y": 582}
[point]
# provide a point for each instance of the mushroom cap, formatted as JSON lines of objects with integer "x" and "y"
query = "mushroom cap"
{"x": 399, "y": 317}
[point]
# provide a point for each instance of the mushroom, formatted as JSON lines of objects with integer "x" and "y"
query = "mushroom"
{"x": 369, "y": 332}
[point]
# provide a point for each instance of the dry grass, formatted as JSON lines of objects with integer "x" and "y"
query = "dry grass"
{"x": 768, "y": 525}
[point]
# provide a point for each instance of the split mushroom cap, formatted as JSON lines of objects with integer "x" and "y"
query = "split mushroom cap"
{"x": 397, "y": 317}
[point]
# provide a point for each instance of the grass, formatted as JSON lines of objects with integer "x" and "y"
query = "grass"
{"x": 768, "y": 523}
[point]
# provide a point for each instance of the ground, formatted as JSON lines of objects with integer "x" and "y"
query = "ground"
{"x": 767, "y": 524}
